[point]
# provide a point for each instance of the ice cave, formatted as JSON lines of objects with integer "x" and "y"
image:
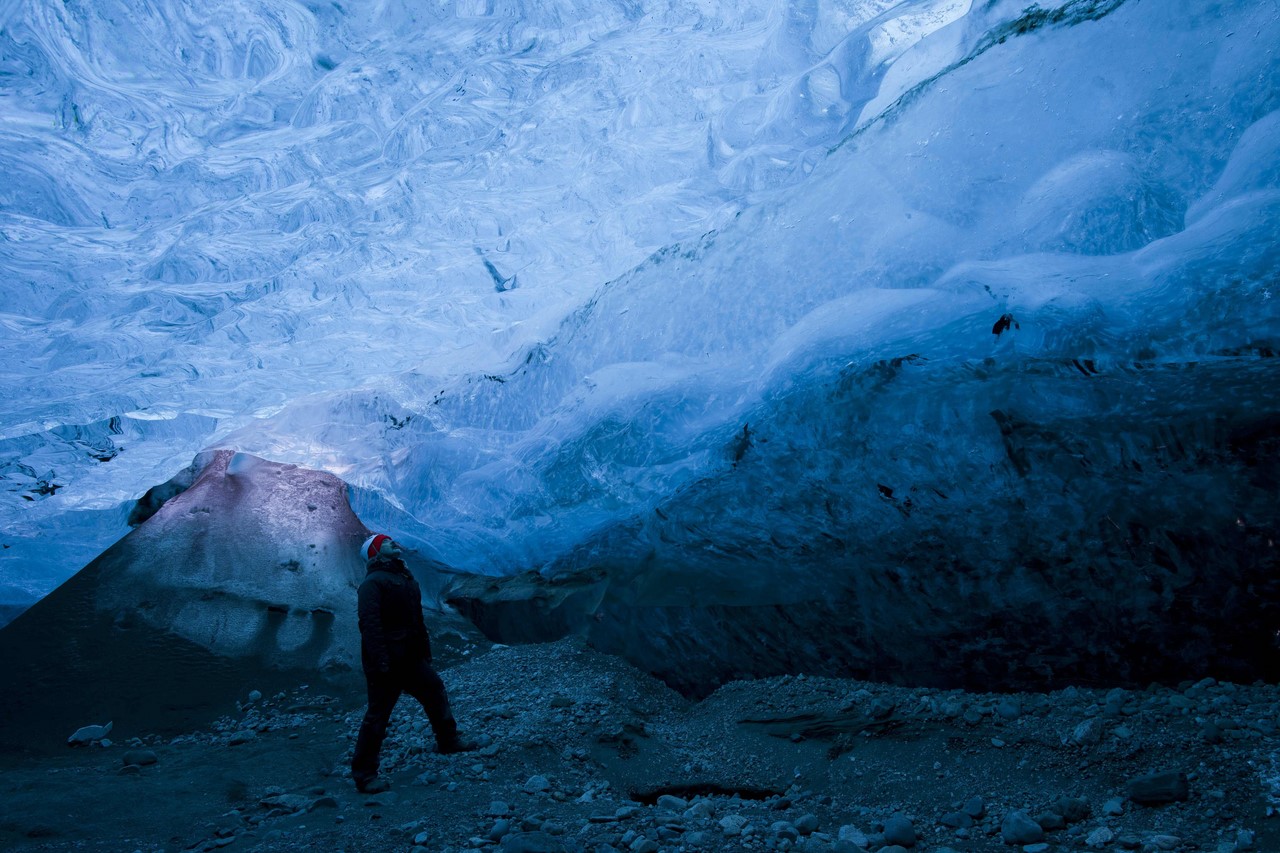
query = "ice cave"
{"x": 926, "y": 341}
{"x": 809, "y": 425}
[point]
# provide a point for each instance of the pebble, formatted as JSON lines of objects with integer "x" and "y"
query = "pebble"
{"x": 957, "y": 820}
{"x": 1113, "y": 807}
{"x": 537, "y": 785}
{"x": 807, "y": 824}
{"x": 1166, "y": 842}
{"x": 975, "y": 808}
{"x": 731, "y": 825}
{"x": 243, "y": 736}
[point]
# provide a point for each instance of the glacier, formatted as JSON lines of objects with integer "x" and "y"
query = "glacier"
{"x": 952, "y": 319}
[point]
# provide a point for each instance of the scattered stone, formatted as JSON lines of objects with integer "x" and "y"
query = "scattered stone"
{"x": 1051, "y": 821}
{"x": 975, "y": 808}
{"x": 852, "y": 835}
{"x": 672, "y": 804}
{"x": 957, "y": 820}
{"x": 325, "y": 802}
{"x": 1017, "y": 828}
{"x": 1113, "y": 807}
{"x": 140, "y": 757}
{"x": 498, "y": 808}
{"x": 1009, "y": 710}
{"x": 530, "y": 842}
{"x": 899, "y": 830}
{"x": 785, "y": 829}
{"x": 501, "y": 829}
{"x": 537, "y": 785}
{"x": 1159, "y": 788}
{"x": 807, "y": 824}
{"x": 701, "y": 810}
{"x": 86, "y": 735}
{"x": 242, "y": 736}
{"x": 130, "y": 770}
{"x": 1035, "y": 848}
{"x": 255, "y": 695}
{"x": 1166, "y": 842}
{"x": 1072, "y": 809}
{"x": 731, "y": 825}
{"x": 1100, "y": 837}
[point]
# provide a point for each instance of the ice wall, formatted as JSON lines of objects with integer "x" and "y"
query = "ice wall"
{"x": 867, "y": 302}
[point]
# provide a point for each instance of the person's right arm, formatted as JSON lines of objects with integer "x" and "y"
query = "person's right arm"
{"x": 371, "y": 630}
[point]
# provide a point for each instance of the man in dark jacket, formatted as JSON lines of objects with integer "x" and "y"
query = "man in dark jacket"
{"x": 396, "y": 653}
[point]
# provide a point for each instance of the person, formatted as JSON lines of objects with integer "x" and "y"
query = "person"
{"x": 395, "y": 652}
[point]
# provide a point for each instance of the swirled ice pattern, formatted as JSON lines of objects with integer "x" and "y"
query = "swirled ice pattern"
{"x": 553, "y": 282}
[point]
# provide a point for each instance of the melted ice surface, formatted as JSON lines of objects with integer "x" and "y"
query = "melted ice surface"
{"x": 521, "y": 271}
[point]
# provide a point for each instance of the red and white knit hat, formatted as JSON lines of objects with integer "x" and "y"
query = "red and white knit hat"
{"x": 373, "y": 545}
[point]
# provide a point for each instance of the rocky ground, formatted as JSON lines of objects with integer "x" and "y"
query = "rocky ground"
{"x": 581, "y": 752}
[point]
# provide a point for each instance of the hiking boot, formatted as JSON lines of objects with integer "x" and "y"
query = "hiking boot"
{"x": 457, "y": 744}
{"x": 372, "y": 786}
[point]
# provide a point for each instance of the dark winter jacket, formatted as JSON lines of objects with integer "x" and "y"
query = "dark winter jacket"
{"x": 392, "y": 632}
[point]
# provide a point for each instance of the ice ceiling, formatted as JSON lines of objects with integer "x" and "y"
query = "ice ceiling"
{"x": 727, "y": 296}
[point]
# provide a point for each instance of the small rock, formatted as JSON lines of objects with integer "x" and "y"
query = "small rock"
{"x": 243, "y": 736}
{"x": 852, "y": 835}
{"x": 86, "y": 735}
{"x": 1113, "y": 807}
{"x": 537, "y": 784}
{"x": 1009, "y": 710}
{"x": 255, "y": 695}
{"x": 1166, "y": 842}
{"x": 975, "y": 808}
{"x": 731, "y": 825}
{"x": 326, "y": 802}
{"x": 785, "y": 829}
{"x": 140, "y": 757}
{"x": 1088, "y": 732}
{"x": 1017, "y": 828}
{"x": 1035, "y": 848}
{"x": 644, "y": 845}
{"x": 530, "y": 842}
{"x": 498, "y": 808}
{"x": 1159, "y": 788}
{"x": 957, "y": 820}
{"x": 672, "y": 804}
{"x": 129, "y": 770}
{"x": 898, "y": 830}
{"x": 807, "y": 824}
{"x": 1100, "y": 837}
{"x": 1072, "y": 809}
{"x": 700, "y": 810}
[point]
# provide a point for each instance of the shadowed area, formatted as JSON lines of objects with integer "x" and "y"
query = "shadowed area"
{"x": 243, "y": 580}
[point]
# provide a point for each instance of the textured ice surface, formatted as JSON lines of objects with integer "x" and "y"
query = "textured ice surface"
{"x": 535, "y": 278}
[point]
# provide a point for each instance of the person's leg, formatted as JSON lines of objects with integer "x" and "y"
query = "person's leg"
{"x": 384, "y": 691}
{"x": 425, "y": 685}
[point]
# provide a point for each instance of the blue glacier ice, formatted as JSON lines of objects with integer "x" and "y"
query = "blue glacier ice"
{"x": 747, "y": 304}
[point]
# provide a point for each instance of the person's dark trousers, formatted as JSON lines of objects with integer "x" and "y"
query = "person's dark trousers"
{"x": 420, "y": 681}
